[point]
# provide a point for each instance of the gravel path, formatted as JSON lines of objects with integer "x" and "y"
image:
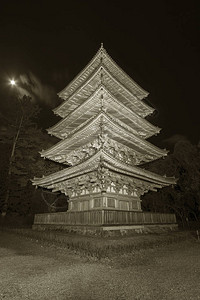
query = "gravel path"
{"x": 34, "y": 270}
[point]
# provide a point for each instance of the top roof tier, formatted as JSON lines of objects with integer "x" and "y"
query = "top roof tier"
{"x": 103, "y": 60}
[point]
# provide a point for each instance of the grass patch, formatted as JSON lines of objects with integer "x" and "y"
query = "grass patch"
{"x": 99, "y": 248}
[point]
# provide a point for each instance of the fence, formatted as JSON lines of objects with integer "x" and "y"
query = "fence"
{"x": 104, "y": 217}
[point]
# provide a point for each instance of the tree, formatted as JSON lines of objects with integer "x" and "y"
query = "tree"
{"x": 184, "y": 198}
{"x": 12, "y": 135}
{"x": 22, "y": 139}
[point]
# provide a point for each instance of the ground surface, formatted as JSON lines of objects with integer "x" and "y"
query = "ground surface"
{"x": 34, "y": 270}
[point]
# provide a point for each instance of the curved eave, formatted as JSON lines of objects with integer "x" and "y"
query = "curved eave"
{"x": 62, "y": 133}
{"x": 137, "y": 105}
{"x": 107, "y": 161}
{"x": 66, "y": 91}
{"x": 122, "y": 76}
{"x": 142, "y": 125}
{"x": 93, "y": 127}
{"x": 118, "y": 166}
{"x": 85, "y": 167}
{"x": 132, "y": 84}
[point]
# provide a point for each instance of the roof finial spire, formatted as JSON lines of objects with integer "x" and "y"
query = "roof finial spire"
{"x": 101, "y": 45}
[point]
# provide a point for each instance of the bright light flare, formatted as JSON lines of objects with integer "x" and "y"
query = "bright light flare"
{"x": 12, "y": 82}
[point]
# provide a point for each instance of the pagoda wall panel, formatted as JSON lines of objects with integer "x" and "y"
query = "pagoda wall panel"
{"x": 106, "y": 200}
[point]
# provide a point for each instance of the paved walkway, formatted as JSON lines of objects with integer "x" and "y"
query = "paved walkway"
{"x": 32, "y": 270}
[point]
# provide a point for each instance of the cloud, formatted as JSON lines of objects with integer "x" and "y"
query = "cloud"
{"x": 31, "y": 85}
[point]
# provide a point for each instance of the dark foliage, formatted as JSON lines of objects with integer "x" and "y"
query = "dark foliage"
{"x": 21, "y": 141}
{"x": 184, "y": 198}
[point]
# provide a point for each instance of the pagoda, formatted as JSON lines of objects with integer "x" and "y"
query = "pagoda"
{"x": 103, "y": 141}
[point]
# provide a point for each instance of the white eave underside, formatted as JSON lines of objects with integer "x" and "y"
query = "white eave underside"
{"x": 86, "y": 110}
{"x": 108, "y": 162}
{"x": 114, "y": 130}
{"x": 102, "y": 57}
{"x": 102, "y": 76}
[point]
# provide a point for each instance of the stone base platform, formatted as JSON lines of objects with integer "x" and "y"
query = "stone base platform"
{"x": 107, "y": 231}
{"x": 106, "y": 222}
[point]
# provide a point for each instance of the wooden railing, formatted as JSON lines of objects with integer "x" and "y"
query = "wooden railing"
{"x": 104, "y": 217}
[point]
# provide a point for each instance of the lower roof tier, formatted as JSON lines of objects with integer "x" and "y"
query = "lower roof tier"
{"x": 100, "y": 162}
{"x": 112, "y": 183}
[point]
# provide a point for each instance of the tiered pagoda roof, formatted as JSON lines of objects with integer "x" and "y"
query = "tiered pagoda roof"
{"x": 113, "y": 107}
{"x": 89, "y": 132}
{"x": 106, "y": 161}
{"x": 103, "y": 126}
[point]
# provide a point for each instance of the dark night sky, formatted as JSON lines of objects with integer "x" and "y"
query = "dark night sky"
{"x": 156, "y": 42}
